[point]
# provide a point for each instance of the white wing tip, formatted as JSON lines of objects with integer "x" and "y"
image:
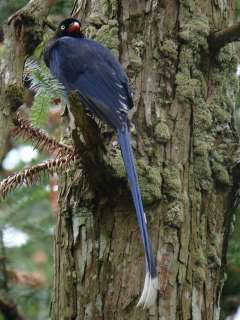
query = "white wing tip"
{"x": 149, "y": 293}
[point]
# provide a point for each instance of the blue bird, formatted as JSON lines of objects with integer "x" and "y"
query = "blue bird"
{"x": 86, "y": 66}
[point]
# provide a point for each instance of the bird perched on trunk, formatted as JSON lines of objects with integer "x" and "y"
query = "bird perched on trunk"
{"x": 87, "y": 67}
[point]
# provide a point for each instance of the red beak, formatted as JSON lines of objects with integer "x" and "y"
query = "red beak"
{"x": 74, "y": 27}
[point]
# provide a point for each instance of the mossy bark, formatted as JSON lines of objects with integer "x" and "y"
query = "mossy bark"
{"x": 185, "y": 143}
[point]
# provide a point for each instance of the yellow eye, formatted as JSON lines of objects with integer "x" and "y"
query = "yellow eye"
{"x": 62, "y": 27}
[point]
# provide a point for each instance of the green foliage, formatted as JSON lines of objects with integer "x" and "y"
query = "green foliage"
{"x": 7, "y": 7}
{"x": 29, "y": 210}
{"x": 47, "y": 89}
{"x": 40, "y": 109}
{"x": 237, "y": 5}
{"x": 234, "y": 243}
{"x": 231, "y": 293}
{"x": 63, "y": 7}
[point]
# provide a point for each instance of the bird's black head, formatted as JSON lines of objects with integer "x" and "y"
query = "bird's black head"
{"x": 70, "y": 27}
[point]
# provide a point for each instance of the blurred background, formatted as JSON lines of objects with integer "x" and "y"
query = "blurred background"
{"x": 28, "y": 215}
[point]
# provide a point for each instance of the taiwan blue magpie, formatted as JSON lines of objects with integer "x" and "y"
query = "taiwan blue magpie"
{"x": 85, "y": 66}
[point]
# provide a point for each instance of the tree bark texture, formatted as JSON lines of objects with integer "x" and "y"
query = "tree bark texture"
{"x": 184, "y": 141}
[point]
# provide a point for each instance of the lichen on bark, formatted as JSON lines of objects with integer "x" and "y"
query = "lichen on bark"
{"x": 184, "y": 141}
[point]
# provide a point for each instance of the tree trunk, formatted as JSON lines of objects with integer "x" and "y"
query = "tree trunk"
{"x": 184, "y": 141}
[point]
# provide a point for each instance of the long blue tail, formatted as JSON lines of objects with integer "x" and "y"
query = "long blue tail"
{"x": 149, "y": 293}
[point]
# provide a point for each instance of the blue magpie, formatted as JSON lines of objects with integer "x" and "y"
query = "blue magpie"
{"x": 85, "y": 66}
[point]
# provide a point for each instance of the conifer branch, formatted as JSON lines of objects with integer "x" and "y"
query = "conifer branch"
{"x": 33, "y": 174}
{"x": 40, "y": 139}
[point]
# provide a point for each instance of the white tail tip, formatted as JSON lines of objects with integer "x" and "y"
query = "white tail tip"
{"x": 149, "y": 293}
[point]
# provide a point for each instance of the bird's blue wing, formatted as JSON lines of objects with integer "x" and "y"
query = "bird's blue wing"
{"x": 102, "y": 84}
{"x": 86, "y": 66}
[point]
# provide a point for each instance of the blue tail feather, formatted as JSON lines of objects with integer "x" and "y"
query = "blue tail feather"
{"x": 129, "y": 163}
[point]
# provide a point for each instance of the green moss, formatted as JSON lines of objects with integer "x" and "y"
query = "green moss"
{"x": 162, "y": 133}
{"x": 199, "y": 268}
{"x": 212, "y": 256}
{"x": 221, "y": 115}
{"x": 202, "y": 118}
{"x": 202, "y": 174}
{"x": 172, "y": 181}
{"x": 198, "y": 276}
{"x": 90, "y": 31}
{"x": 200, "y": 24}
{"x": 186, "y": 87}
{"x": 174, "y": 216}
{"x": 14, "y": 95}
{"x": 135, "y": 58}
{"x": 149, "y": 178}
{"x": 108, "y": 35}
{"x": 135, "y": 52}
{"x": 199, "y": 258}
{"x": 2, "y": 51}
{"x": 186, "y": 59}
{"x": 149, "y": 181}
{"x": 201, "y": 169}
{"x": 220, "y": 174}
{"x": 196, "y": 31}
{"x": 227, "y": 59}
{"x": 109, "y": 7}
{"x": 201, "y": 148}
{"x": 169, "y": 50}
{"x": 117, "y": 164}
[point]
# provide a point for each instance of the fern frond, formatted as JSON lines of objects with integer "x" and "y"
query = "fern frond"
{"x": 33, "y": 174}
{"x": 39, "y": 138}
{"x": 46, "y": 89}
{"x": 41, "y": 79}
{"x": 40, "y": 109}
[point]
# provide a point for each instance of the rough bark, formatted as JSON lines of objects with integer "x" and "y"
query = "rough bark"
{"x": 185, "y": 143}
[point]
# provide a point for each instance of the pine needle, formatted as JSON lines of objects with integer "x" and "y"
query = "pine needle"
{"x": 33, "y": 174}
{"x": 40, "y": 138}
